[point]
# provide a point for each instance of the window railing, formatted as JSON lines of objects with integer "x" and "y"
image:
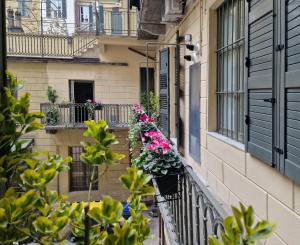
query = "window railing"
{"x": 73, "y": 115}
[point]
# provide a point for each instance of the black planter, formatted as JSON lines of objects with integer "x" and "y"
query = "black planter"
{"x": 167, "y": 184}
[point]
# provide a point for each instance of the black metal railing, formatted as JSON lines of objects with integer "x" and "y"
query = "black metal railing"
{"x": 73, "y": 115}
{"x": 193, "y": 214}
{"x": 117, "y": 23}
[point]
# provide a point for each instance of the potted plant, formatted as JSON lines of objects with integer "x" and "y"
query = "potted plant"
{"x": 52, "y": 113}
{"x": 92, "y": 106}
{"x": 161, "y": 161}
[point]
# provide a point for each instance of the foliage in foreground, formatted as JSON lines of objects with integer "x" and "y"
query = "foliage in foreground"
{"x": 29, "y": 211}
{"x": 241, "y": 230}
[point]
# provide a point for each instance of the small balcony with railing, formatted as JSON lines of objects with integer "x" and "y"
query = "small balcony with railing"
{"x": 50, "y": 35}
{"x": 73, "y": 115}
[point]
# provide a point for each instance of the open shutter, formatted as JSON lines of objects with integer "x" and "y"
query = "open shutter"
{"x": 116, "y": 22}
{"x": 48, "y": 8}
{"x": 77, "y": 15}
{"x": 164, "y": 99}
{"x": 260, "y": 101}
{"x": 292, "y": 90}
{"x": 91, "y": 17}
{"x": 64, "y": 9}
{"x": 101, "y": 19}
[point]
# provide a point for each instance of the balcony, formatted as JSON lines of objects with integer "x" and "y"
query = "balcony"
{"x": 56, "y": 38}
{"x": 73, "y": 115}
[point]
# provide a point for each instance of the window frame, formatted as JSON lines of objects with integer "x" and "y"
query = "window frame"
{"x": 85, "y": 170}
{"x": 232, "y": 127}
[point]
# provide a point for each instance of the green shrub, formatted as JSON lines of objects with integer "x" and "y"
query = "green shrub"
{"x": 241, "y": 230}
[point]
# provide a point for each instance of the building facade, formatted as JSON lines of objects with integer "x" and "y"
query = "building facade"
{"x": 227, "y": 79}
{"x": 84, "y": 50}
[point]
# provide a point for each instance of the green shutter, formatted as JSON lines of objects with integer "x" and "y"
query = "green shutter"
{"x": 116, "y": 22}
{"x": 259, "y": 63}
{"x": 291, "y": 93}
{"x": 164, "y": 100}
{"x": 64, "y": 9}
{"x": 48, "y": 8}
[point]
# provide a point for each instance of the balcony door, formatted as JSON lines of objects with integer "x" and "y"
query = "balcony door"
{"x": 80, "y": 92}
{"x": 86, "y": 17}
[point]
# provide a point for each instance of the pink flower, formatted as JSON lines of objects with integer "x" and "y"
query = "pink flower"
{"x": 145, "y": 118}
{"x": 153, "y": 134}
{"x": 138, "y": 109}
{"x": 159, "y": 144}
{"x": 89, "y": 101}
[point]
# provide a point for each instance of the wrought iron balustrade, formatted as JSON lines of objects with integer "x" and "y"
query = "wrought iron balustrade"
{"x": 73, "y": 115}
{"x": 54, "y": 37}
{"x": 191, "y": 215}
{"x": 117, "y": 23}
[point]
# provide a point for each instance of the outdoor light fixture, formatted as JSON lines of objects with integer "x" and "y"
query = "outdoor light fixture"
{"x": 188, "y": 57}
{"x": 187, "y": 38}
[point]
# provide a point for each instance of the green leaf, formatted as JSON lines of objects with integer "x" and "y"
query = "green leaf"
{"x": 3, "y": 218}
{"x": 108, "y": 211}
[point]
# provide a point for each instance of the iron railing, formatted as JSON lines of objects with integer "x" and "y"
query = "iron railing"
{"x": 191, "y": 215}
{"x": 54, "y": 37}
{"x": 120, "y": 23}
{"x": 73, "y": 115}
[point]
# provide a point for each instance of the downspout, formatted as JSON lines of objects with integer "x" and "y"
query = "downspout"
{"x": 3, "y": 78}
{"x": 177, "y": 88}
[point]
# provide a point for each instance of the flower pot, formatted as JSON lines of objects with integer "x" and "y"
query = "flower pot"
{"x": 167, "y": 184}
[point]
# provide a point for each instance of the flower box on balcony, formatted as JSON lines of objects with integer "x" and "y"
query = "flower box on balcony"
{"x": 167, "y": 184}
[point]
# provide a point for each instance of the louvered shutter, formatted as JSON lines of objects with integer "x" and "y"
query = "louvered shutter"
{"x": 77, "y": 15}
{"x": 101, "y": 19}
{"x": 91, "y": 17}
{"x": 259, "y": 63}
{"x": 292, "y": 90}
{"x": 116, "y": 21}
{"x": 64, "y": 9}
{"x": 164, "y": 100}
{"x": 48, "y": 8}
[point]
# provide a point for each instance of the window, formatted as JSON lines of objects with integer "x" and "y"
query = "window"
{"x": 56, "y": 9}
{"x": 230, "y": 64}
{"x": 23, "y": 7}
{"x": 273, "y": 85}
{"x": 80, "y": 173}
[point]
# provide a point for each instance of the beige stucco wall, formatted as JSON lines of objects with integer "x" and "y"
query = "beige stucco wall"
{"x": 109, "y": 183}
{"x": 116, "y": 84}
{"x": 230, "y": 173}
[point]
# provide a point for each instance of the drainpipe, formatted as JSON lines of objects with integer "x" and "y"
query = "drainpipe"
{"x": 3, "y": 78}
{"x": 177, "y": 88}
